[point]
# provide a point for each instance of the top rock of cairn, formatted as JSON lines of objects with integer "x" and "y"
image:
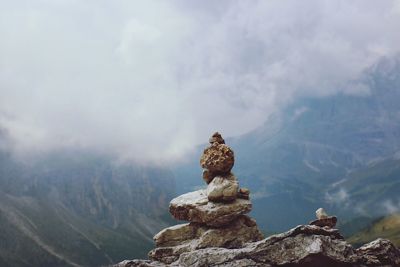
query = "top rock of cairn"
{"x": 217, "y": 159}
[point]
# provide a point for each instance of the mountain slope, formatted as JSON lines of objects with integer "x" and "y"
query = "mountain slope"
{"x": 373, "y": 190}
{"x": 79, "y": 210}
{"x": 386, "y": 227}
{"x": 293, "y": 160}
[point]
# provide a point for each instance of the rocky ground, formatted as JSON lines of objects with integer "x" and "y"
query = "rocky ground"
{"x": 304, "y": 245}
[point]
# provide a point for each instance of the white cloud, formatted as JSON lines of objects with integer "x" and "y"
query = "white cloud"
{"x": 145, "y": 80}
{"x": 391, "y": 206}
{"x": 340, "y": 197}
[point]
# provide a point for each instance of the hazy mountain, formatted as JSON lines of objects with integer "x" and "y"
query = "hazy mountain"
{"x": 373, "y": 190}
{"x": 339, "y": 152}
{"x": 384, "y": 227}
{"x": 78, "y": 209}
{"x": 293, "y": 163}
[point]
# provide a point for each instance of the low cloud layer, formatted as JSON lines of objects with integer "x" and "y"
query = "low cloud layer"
{"x": 146, "y": 80}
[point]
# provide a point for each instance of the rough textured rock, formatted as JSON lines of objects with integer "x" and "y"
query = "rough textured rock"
{"x": 380, "y": 251}
{"x": 329, "y": 222}
{"x": 173, "y": 241}
{"x": 195, "y": 207}
{"x": 216, "y": 138}
{"x": 218, "y": 159}
{"x": 223, "y": 188}
{"x": 219, "y": 234}
{"x": 139, "y": 263}
{"x": 244, "y": 193}
{"x": 207, "y": 176}
{"x": 176, "y": 234}
{"x": 304, "y": 245}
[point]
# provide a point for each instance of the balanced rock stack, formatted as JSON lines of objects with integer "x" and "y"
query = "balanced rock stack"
{"x": 219, "y": 234}
{"x": 216, "y": 214}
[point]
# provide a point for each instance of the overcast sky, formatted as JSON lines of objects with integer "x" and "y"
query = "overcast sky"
{"x": 146, "y": 80}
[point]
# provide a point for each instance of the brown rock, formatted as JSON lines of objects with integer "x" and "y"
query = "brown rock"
{"x": 304, "y": 245}
{"x": 207, "y": 176}
{"x": 378, "y": 252}
{"x": 244, "y": 193}
{"x": 195, "y": 207}
{"x": 176, "y": 234}
{"x": 329, "y": 222}
{"x": 216, "y": 138}
{"x": 218, "y": 159}
{"x": 223, "y": 189}
{"x": 175, "y": 240}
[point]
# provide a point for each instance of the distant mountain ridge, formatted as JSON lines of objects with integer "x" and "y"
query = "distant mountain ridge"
{"x": 79, "y": 210}
{"x": 384, "y": 227}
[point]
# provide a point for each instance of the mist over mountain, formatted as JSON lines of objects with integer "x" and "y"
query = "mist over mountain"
{"x": 105, "y": 108}
{"x": 79, "y": 209}
{"x": 309, "y": 154}
{"x": 159, "y": 77}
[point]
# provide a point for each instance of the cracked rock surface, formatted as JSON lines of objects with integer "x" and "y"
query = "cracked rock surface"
{"x": 304, "y": 245}
{"x": 195, "y": 207}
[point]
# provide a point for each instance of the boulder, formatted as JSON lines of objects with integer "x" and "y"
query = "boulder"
{"x": 207, "y": 176}
{"x": 218, "y": 159}
{"x": 195, "y": 207}
{"x": 176, "y": 234}
{"x": 173, "y": 241}
{"x": 329, "y": 222}
{"x": 223, "y": 189}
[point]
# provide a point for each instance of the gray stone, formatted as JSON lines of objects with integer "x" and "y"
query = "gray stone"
{"x": 301, "y": 245}
{"x": 329, "y": 222}
{"x": 304, "y": 245}
{"x": 223, "y": 189}
{"x": 321, "y": 214}
{"x": 195, "y": 207}
{"x": 173, "y": 241}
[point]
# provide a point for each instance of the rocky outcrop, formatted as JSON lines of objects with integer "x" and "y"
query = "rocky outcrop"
{"x": 304, "y": 245}
{"x": 220, "y": 234}
{"x": 218, "y": 159}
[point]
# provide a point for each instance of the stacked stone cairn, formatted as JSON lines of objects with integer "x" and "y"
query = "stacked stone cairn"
{"x": 216, "y": 214}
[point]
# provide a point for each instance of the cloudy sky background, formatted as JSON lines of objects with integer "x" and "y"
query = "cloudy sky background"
{"x": 146, "y": 80}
